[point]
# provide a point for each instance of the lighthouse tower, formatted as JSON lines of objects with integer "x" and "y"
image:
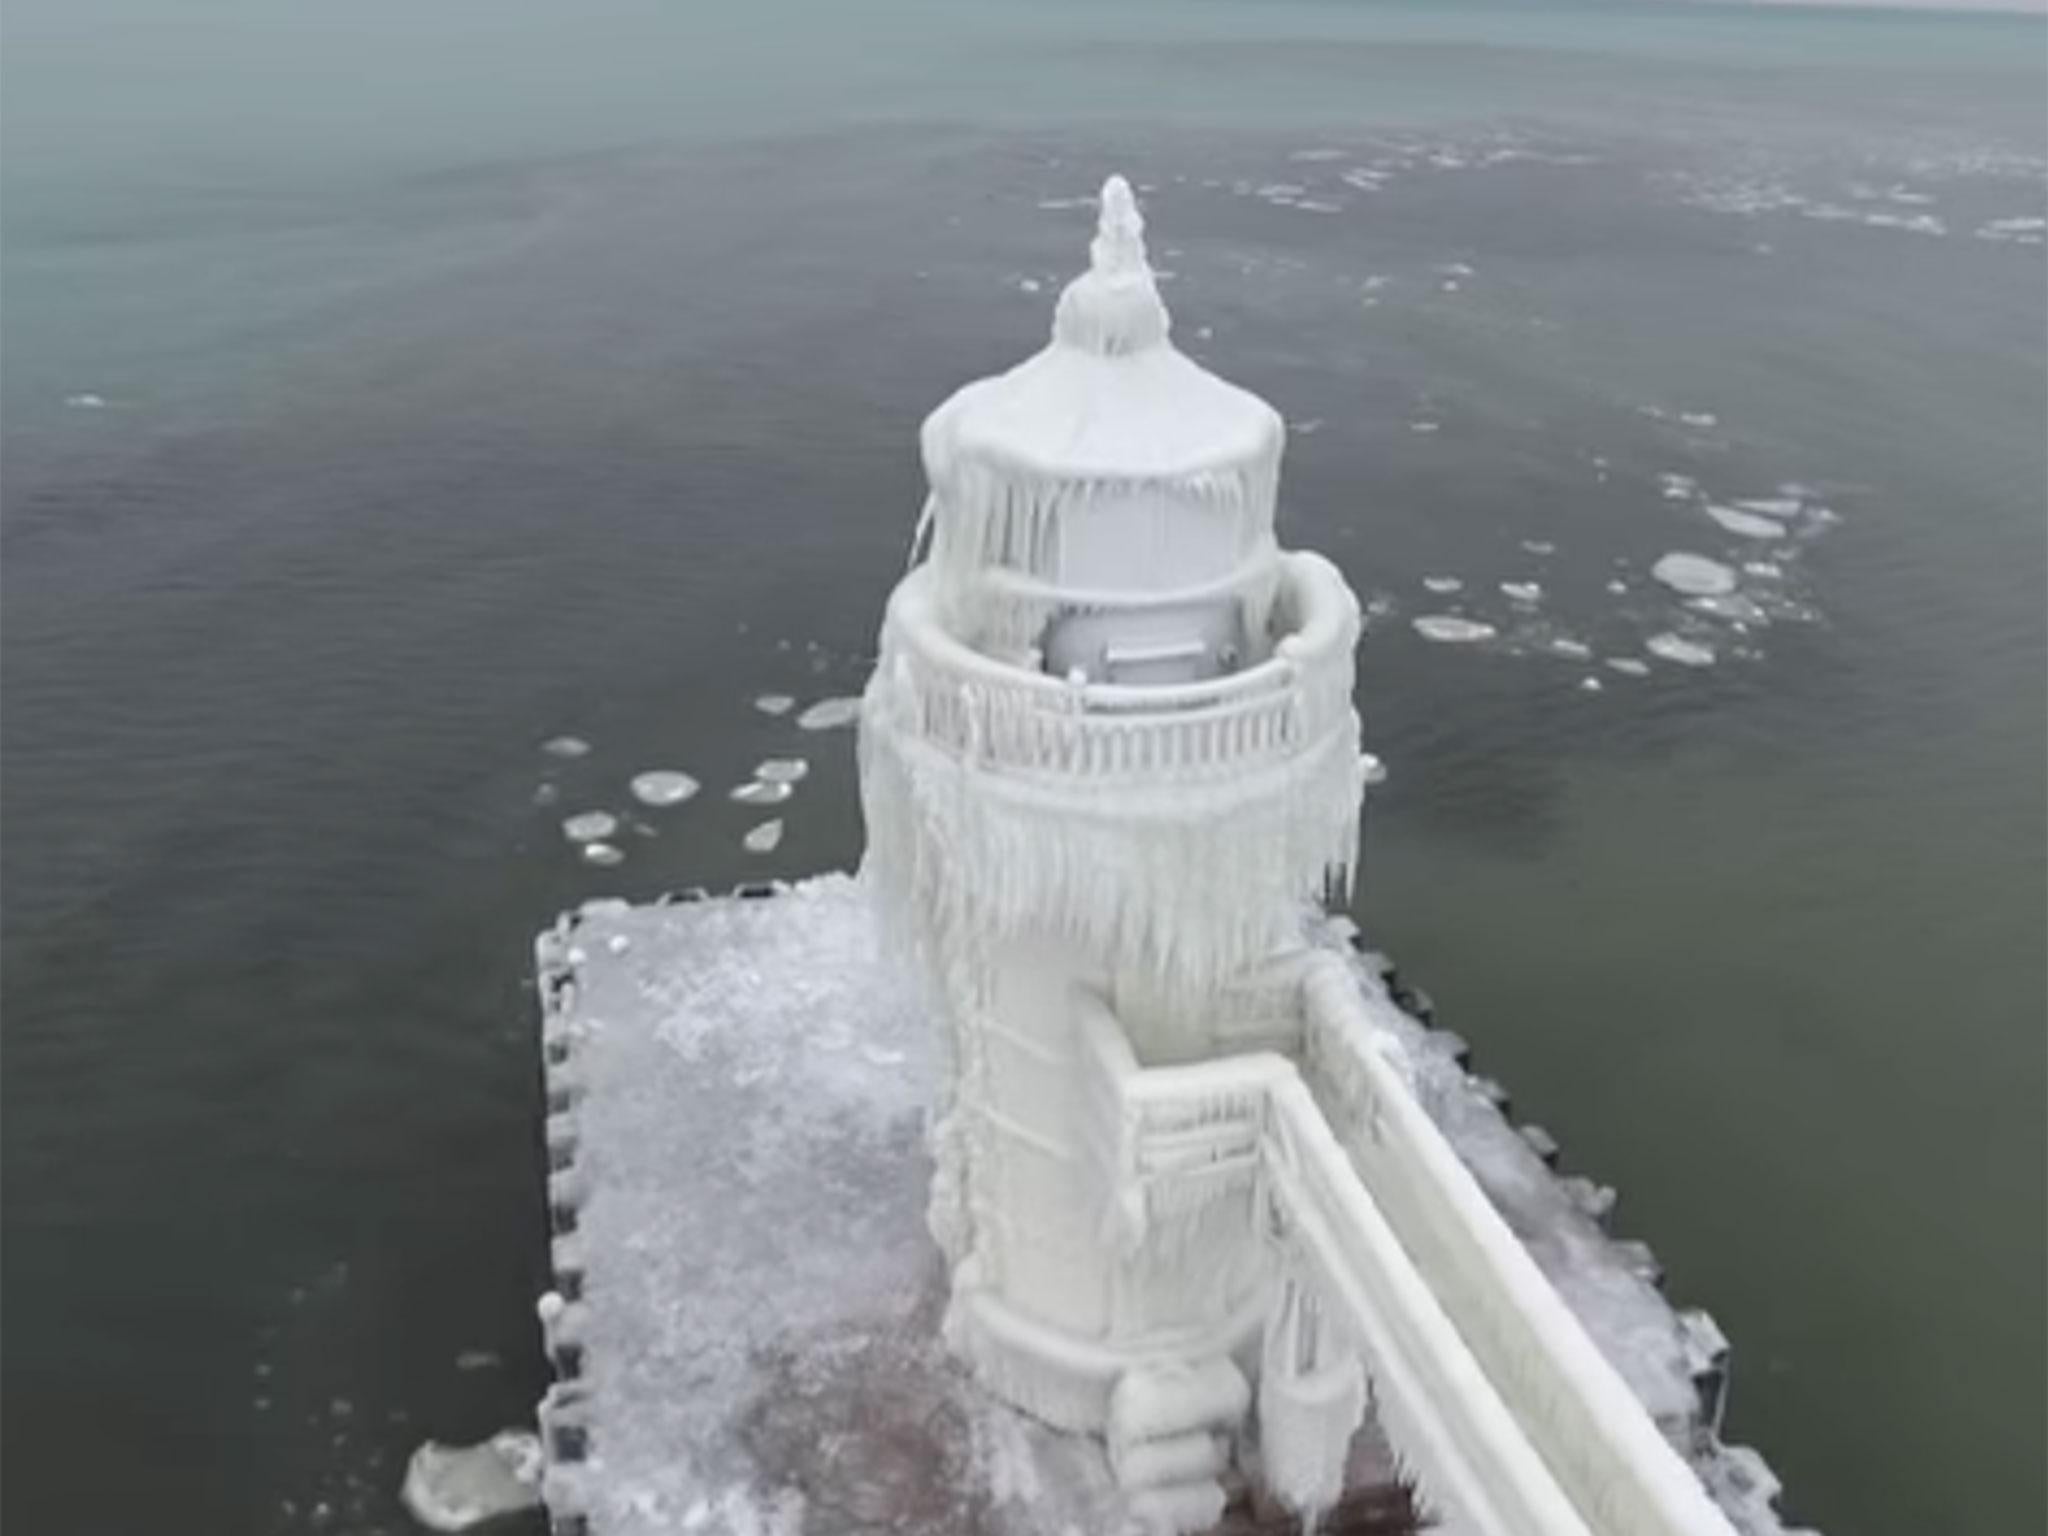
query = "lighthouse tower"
{"x": 1109, "y": 761}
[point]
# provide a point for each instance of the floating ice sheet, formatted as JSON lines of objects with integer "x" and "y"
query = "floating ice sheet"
{"x": 1694, "y": 575}
{"x": 1450, "y": 629}
{"x": 566, "y": 747}
{"x": 1443, "y": 585}
{"x": 590, "y": 826}
{"x": 775, "y": 703}
{"x": 829, "y": 714}
{"x": 765, "y": 838}
{"x": 454, "y": 1487}
{"x": 1629, "y": 666}
{"x": 604, "y": 855}
{"x": 1524, "y": 592}
{"x": 1748, "y": 525}
{"x": 664, "y": 786}
{"x": 1676, "y": 648}
{"x": 781, "y": 770}
{"x": 762, "y": 792}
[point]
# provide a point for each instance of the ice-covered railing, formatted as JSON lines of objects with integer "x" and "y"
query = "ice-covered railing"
{"x": 1009, "y": 718}
{"x": 1572, "y": 1404}
{"x": 1183, "y": 1138}
{"x": 1509, "y": 1416}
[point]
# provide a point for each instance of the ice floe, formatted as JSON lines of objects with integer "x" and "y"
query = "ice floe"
{"x": 1629, "y": 666}
{"x": 1780, "y": 507}
{"x": 763, "y": 839}
{"x": 453, "y": 1487}
{"x": 1449, "y": 629}
{"x": 1732, "y": 606}
{"x": 829, "y": 714}
{"x": 1443, "y": 584}
{"x": 1678, "y": 487}
{"x": 1425, "y": 426}
{"x": 589, "y": 826}
{"x": 1576, "y": 650}
{"x": 566, "y": 747}
{"x": 86, "y": 401}
{"x": 1590, "y": 685}
{"x": 604, "y": 855}
{"x": 759, "y": 792}
{"x": 1749, "y": 525}
{"x": 1694, "y": 575}
{"x": 1527, "y": 593}
{"x": 1765, "y": 570}
{"x": 1676, "y": 648}
{"x": 1539, "y": 546}
{"x": 781, "y": 770}
{"x": 663, "y": 786}
{"x": 775, "y": 703}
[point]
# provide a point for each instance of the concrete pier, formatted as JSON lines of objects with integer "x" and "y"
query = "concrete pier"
{"x": 744, "y": 1326}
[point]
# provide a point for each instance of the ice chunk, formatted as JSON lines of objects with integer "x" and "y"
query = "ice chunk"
{"x": 1749, "y": 525}
{"x": 1449, "y": 629}
{"x": 762, "y": 792}
{"x": 829, "y": 714}
{"x": 1525, "y": 592}
{"x": 1617, "y": 586}
{"x": 1768, "y": 570}
{"x": 590, "y": 826}
{"x": 453, "y": 1487}
{"x": 765, "y": 838}
{"x": 86, "y": 401}
{"x": 1629, "y": 666}
{"x": 663, "y": 786}
{"x": 1443, "y": 584}
{"x": 775, "y": 703}
{"x": 1699, "y": 418}
{"x": 1577, "y": 650}
{"x": 1423, "y": 426}
{"x": 566, "y": 746}
{"x": 781, "y": 770}
{"x": 604, "y": 855}
{"x": 1678, "y": 487}
{"x": 1780, "y": 507}
{"x": 1590, "y": 685}
{"x": 1732, "y": 606}
{"x": 1694, "y": 575}
{"x": 1539, "y": 546}
{"x": 1676, "y": 648}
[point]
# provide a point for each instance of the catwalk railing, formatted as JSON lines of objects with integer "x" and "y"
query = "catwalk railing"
{"x": 1488, "y": 1388}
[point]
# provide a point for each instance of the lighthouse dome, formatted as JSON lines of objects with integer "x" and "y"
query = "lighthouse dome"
{"x": 1109, "y": 459}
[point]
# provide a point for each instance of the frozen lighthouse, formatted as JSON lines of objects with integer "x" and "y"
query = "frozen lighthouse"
{"x": 1229, "y": 1240}
{"x": 1109, "y": 758}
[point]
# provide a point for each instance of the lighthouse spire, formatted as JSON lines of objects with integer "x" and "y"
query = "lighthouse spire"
{"x": 1113, "y": 308}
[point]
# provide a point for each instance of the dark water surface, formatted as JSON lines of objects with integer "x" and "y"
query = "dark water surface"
{"x": 473, "y": 376}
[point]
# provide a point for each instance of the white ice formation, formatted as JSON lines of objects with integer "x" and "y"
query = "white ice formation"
{"x": 1109, "y": 762}
{"x": 454, "y": 1487}
{"x": 829, "y": 714}
{"x": 765, "y": 838}
{"x": 590, "y": 826}
{"x": 775, "y": 703}
{"x": 660, "y": 787}
{"x": 1678, "y": 649}
{"x": 781, "y": 770}
{"x": 1450, "y": 629}
{"x": 762, "y": 792}
{"x": 1748, "y": 525}
{"x": 1694, "y": 575}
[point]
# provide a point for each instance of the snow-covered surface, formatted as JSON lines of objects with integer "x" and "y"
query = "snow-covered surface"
{"x": 759, "y": 1295}
{"x": 745, "y": 1083}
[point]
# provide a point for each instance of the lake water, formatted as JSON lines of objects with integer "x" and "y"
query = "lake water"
{"x": 392, "y": 388}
